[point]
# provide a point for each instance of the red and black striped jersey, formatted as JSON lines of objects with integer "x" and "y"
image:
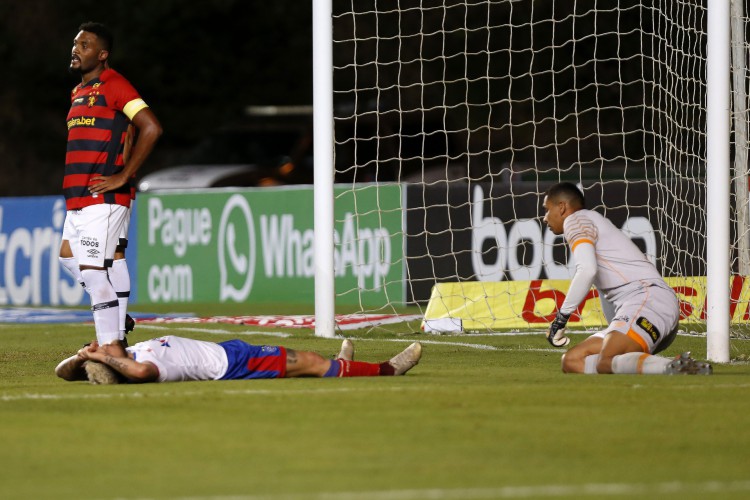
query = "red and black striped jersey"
{"x": 100, "y": 112}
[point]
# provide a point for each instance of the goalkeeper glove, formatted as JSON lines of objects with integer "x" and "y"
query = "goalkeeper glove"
{"x": 556, "y": 333}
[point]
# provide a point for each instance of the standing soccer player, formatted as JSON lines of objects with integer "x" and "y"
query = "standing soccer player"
{"x": 96, "y": 183}
{"x": 642, "y": 309}
{"x": 119, "y": 274}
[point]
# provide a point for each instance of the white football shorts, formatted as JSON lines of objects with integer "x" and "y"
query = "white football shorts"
{"x": 649, "y": 316}
{"x": 123, "y": 239}
{"x": 94, "y": 233}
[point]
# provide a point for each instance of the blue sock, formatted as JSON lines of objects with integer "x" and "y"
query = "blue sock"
{"x": 334, "y": 369}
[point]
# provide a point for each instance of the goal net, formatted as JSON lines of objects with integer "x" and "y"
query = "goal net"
{"x": 451, "y": 119}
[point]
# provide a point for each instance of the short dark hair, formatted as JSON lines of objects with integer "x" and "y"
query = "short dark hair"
{"x": 101, "y": 31}
{"x": 569, "y": 192}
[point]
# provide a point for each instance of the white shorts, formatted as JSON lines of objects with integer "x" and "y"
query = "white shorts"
{"x": 94, "y": 233}
{"x": 649, "y": 316}
{"x": 123, "y": 239}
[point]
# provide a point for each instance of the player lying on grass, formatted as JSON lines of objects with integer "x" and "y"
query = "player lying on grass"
{"x": 174, "y": 359}
{"x": 641, "y": 308}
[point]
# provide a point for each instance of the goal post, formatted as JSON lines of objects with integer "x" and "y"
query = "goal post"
{"x": 450, "y": 118}
{"x": 717, "y": 180}
{"x": 323, "y": 160}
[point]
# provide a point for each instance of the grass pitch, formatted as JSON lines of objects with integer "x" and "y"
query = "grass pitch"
{"x": 479, "y": 417}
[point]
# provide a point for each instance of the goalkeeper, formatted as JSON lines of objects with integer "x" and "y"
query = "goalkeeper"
{"x": 642, "y": 310}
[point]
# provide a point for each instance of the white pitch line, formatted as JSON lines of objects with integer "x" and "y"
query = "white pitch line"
{"x": 217, "y": 331}
{"x": 707, "y": 386}
{"x": 56, "y": 397}
{"x": 229, "y": 392}
{"x": 481, "y": 347}
{"x": 542, "y": 491}
{"x": 504, "y": 334}
{"x": 7, "y": 398}
{"x": 509, "y": 334}
{"x": 542, "y": 332}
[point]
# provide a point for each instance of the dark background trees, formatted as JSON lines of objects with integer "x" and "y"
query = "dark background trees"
{"x": 556, "y": 86}
{"x": 197, "y": 64}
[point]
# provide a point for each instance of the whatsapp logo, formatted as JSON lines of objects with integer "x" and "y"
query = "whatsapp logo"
{"x": 236, "y": 249}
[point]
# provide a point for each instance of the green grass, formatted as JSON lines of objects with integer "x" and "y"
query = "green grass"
{"x": 466, "y": 423}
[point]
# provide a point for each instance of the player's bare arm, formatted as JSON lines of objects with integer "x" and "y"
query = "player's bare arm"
{"x": 127, "y": 147}
{"x": 71, "y": 369}
{"x": 149, "y": 131}
{"x": 132, "y": 370}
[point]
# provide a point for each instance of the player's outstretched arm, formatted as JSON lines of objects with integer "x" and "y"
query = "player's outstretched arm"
{"x": 586, "y": 268}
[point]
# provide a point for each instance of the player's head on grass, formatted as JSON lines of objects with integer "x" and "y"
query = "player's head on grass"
{"x": 560, "y": 201}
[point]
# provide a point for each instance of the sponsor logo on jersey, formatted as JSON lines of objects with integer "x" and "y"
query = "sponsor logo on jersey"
{"x": 649, "y": 328}
{"x": 92, "y": 252}
{"x": 89, "y": 242}
{"x": 81, "y": 122}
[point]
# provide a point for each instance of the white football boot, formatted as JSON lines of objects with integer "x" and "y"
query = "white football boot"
{"x": 406, "y": 359}
{"x": 347, "y": 351}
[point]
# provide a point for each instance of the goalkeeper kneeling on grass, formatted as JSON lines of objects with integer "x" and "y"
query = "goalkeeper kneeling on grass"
{"x": 641, "y": 308}
{"x": 174, "y": 359}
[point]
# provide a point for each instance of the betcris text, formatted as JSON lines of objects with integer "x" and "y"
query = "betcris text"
{"x": 30, "y": 272}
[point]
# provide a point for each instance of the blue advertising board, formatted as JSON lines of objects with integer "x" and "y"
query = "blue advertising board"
{"x": 30, "y": 272}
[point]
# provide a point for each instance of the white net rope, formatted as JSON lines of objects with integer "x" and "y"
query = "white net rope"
{"x": 473, "y": 108}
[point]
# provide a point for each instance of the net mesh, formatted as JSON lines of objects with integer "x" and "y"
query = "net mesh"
{"x": 471, "y": 109}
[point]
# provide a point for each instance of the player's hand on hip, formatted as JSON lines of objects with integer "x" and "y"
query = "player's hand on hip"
{"x": 556, "y": 333}
{"x": 102, "y": 184}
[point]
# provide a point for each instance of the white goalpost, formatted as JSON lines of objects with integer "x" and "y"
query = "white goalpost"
{"x": 439, "y": 124}
{"x": 718, "y": 181}
{"x": 323, "y": 151}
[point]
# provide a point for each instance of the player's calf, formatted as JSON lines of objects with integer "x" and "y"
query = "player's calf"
{"x": 104, "y": 305}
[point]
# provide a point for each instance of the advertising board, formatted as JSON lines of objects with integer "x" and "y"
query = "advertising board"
{"x": 256, "y": 245}
{"x": 490, "y": 233}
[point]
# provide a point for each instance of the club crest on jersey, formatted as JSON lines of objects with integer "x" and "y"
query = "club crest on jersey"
{"x": 164, "y": 342}
{"x": 92, "y": 101}
{"x": 649, "y": 328}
